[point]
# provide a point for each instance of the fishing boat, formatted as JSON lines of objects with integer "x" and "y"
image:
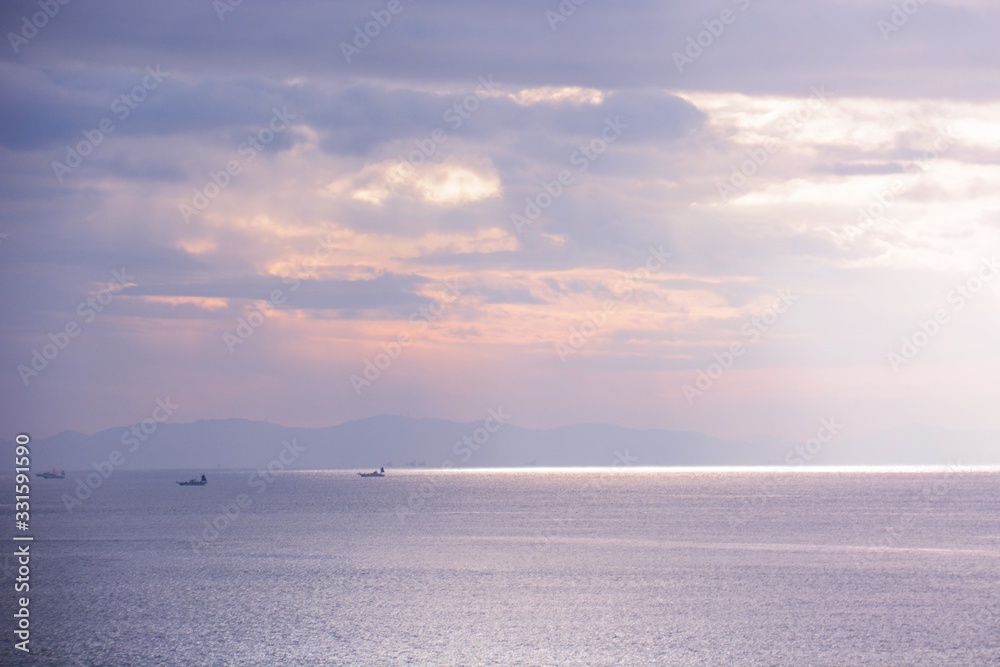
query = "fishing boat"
{"x": 194, "y": 482}
{"x": 374, "y": 473}
{"x": 52, "y": 474}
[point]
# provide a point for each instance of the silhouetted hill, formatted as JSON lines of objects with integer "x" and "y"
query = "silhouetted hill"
{"x": 396, "y": 441}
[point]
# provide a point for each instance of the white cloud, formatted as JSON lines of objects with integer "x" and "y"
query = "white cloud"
{"x": 449, "y": 183}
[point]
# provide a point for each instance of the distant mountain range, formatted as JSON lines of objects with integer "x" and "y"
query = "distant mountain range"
{"x": 399, "y": 442}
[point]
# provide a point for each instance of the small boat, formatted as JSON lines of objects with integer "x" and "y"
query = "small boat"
{"x": 374, "y": 473}
{"x": 194, "y": 482}
{"x": 52, "y": 474}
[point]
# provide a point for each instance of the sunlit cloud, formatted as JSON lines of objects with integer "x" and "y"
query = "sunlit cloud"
{"x": 449, "y": 183}
{"x": 554, "y": 95}
{"x": 204, "y": 303}
{"x": 354, "y": 204}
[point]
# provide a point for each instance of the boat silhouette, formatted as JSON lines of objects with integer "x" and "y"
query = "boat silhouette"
{"x": 194, "y": 482}
{"x": 375, "y": 473}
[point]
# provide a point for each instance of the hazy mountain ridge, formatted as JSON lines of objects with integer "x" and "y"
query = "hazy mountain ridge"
{"x": 396, "y": 441}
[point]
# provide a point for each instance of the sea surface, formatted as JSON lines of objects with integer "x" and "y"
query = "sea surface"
{"x": 538, "y": 567}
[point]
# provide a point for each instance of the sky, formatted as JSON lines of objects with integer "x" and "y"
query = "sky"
{"x": 738, "y": 217}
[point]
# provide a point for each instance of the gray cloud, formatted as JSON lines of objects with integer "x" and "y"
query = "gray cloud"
{"x": 657, "y": 184}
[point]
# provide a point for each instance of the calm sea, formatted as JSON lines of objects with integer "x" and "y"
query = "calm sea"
{"x": 609, "y": 567}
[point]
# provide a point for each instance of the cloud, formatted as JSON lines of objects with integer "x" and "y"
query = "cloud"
{"x": 403, "y": 172}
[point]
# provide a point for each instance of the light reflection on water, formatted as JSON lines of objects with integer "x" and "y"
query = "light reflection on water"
{"x": 671, "y": 567}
